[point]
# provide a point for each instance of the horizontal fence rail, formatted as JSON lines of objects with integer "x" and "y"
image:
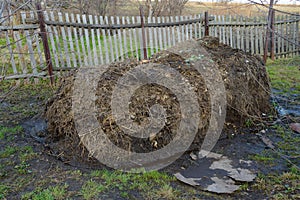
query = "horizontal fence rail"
{"x": 86, "y": 40}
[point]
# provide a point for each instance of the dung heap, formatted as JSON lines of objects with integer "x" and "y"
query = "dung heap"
{"x": 244, "y": 76}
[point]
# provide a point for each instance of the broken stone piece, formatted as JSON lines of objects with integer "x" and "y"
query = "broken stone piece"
{"x": 217, "y": 173}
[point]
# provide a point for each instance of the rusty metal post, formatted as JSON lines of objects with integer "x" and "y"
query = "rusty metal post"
{"x": 273, "y": 35}
{"x": 43, "y": 34}
{"x": 143, "y": 33}
{"x": 206, "y": 20}
{"x": 268, "y": 31}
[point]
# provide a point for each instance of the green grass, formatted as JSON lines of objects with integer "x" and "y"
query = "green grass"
{"x": 22, "y": 168}
{"x": 81, "y": 56}
{"x": 285, "y": 74}
{"x": 144, "y": 182}
{"x": 90, "y": 189}
{"x": 284, "y": 185}
{"x": 7, "y": 132}
{"x": 58, "y": 192}
{"x": 27, "y": 153}
{"x": 4, "y": 189}
{"x": 289, "y": 141}
{"x": 280, "y": 186}
{"x": 267, "y": 157}
{"x": 8, "y": 151}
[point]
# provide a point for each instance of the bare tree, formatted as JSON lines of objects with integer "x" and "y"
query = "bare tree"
{"x": 96, "y": 7}
{"x": 164, "y": 7}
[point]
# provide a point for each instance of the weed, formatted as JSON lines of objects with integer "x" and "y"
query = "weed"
{"x": 76, "y": 173}
{"x": 166, "y": 192}
{"x": 22, "y": 168}
{"x": 96, "y": 173}
{"x": 288, "y": 143}
{"x": 59, "y": 192}
{"x": 244, "y": 187}
{"x": 279, "y": 186}
{"x": 249, "y": 122}
{"x": 279, "y": 129}
{"x": 8, "y": 132}
{"x": 266, "y": 157}
{"x": 7, "y": 152}
{"x": 4, "y": 189}
{"x": 295, "y": 170}
{"x": 3, "y": 172}
{"x": 27, "y": 153}
{"x": 91, "y": 189}
{"x": 21, "y": 182}
{"x": 53, "y": 192}
{"x": 263, "y": 158}
{"x": 125, "y": 194}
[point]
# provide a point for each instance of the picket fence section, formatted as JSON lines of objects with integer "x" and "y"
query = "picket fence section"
{"x": 249, "y": 34}
{"x": 85, "y": 40}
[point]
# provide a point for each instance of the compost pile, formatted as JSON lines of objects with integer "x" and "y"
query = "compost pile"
{"x": 244, "y": 76}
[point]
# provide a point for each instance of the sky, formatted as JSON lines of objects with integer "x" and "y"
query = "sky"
{"x": 245, "y": 1}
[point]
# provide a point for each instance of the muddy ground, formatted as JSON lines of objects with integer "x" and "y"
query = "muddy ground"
{"x": 29, "y": 169}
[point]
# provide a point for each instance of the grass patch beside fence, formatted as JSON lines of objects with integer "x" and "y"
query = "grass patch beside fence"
{"x": 285, "y": 74}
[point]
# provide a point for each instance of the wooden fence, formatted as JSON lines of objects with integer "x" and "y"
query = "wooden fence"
{"x": 249, "y": 34}
{"x": 86, "y": 40}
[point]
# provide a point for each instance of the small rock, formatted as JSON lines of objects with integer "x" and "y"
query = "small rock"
{"x": 193, "y": 156}
{"x": 263, "y": 131}
{"x": 295, "y": 127}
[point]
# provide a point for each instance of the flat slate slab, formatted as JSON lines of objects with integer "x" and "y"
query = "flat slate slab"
{"x": 217, "y": 173}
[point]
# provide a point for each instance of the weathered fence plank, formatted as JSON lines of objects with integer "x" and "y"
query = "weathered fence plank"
{"x": 130, "y": 37}
{"x": 105, "y": 41}
{"x": 52, "y": 42}
{"x": 169, "y": 34}
{"x": 100, "y": 54}
{"x": 65, "y": 40}
{"x": 29, "y": 46}
{"x": 135, "y": 41}
{"x": 72, "y": 50}
{"x": 37, "y": 41}
{"x": 57, "y": 40}
{"x": 87, "y": 41}
{"x": 77, "y": 40}
{"x": 21, "y": 52}
{"x": 173, "y": 32}
{"x": 9, "y": 45}
{"x": 165, "y": 40}
{"x": 125, "y": 39}
{"x": 82, "y": 42}
{"x": 120, "y": 40}
{"x": 140, "y": 39}
{"x": 150, "y": 31}
{"x": 94, "y": 45}
{"x": 155, "y": 36}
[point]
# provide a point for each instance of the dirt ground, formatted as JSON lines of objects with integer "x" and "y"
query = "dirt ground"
{"x": 29, "y": 169}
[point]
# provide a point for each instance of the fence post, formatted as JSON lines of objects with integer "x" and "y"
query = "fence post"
{"x": 273, "y": 35}
{"x": 143, "y": 33}
{"x": 206, "y": 33}
{"x": 268, "y": 31}
{"x": 43, "y": 34}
